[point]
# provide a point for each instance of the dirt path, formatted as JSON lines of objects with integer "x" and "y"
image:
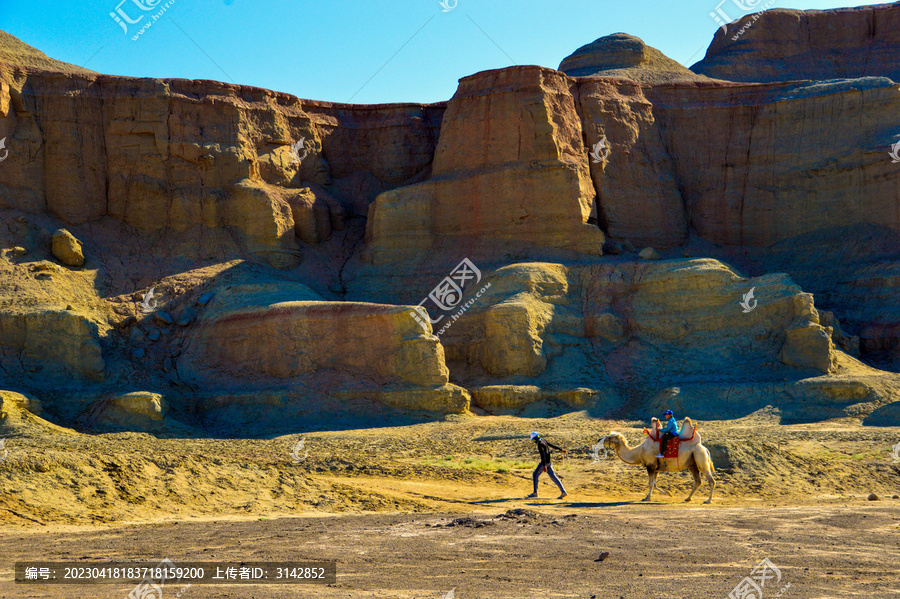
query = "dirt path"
{"x": 541, "y": 551}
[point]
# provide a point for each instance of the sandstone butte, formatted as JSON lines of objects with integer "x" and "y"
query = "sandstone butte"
{"x": 235, "y": 259}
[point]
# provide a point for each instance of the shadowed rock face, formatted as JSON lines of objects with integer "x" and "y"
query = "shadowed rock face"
{"x": 757, "y": 164}
{"x": 638, "y": 194}
{"x": 795, "y": 45}
{"x": 288, "y": 243}
{"x": 65, "y": 342}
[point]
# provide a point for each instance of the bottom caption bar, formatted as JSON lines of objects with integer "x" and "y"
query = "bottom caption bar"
{"x": 167, "y": 572}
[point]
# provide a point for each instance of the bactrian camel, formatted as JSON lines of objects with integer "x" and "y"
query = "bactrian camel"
{"x": 692, "y": 455}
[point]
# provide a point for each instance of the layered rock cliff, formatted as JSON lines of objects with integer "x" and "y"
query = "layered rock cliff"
{"x": 250, "y": 261}
{"x": 510, "y": 164}
{"x": 795, "y": 45}
{"x": 193, "y": 155}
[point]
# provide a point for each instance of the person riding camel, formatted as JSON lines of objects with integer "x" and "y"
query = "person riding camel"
{"x": 545, "y": 466}
{"x": 670, "y": 431}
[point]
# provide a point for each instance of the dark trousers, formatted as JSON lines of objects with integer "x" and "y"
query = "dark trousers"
{"x": 664, "y": 442}
{"x": 553, "y": 477}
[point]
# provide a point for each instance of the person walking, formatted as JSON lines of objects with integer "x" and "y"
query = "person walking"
{"x": 545, "y": 465}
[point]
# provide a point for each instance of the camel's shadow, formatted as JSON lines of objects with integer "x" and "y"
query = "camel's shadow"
{"x": 571, "y": 504}
{"x": 586, "y": 504}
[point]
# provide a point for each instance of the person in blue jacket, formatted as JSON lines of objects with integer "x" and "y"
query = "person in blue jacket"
{"x": 669, "y": 431}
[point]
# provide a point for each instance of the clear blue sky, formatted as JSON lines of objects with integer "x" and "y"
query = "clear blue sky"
{"x": 370, "y": 51}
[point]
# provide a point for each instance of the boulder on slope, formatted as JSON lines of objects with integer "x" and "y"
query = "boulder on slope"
{"x": 67, "y": 248}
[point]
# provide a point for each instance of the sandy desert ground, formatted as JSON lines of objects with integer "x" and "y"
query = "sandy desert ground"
{"x": 516, "y": 550}
{"x": 419, "y": 510}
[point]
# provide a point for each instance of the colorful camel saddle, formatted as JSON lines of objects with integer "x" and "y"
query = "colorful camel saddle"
{"x": 672, "y": 448}
{"x": 673, "y": 444}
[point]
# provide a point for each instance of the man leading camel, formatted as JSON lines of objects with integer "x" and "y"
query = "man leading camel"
{"x": 670, "y": 431}
{"x": 545, "y": 466}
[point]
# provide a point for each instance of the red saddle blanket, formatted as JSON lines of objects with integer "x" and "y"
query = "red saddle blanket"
{"x": 672, "y": 448}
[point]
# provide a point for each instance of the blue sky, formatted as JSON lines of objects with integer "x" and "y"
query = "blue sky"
{"x": 364, "y": 51}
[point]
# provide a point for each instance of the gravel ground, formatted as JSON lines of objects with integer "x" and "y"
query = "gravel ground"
{"x": 654, "y": 551}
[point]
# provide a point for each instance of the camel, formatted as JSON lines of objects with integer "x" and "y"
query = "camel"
{"x": 692, "y": 455}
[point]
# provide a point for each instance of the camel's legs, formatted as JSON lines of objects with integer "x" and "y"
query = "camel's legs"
{"x": 695, "y": 472}
{"x": 651, "y": 472}
{"x": 704, "y": 462}
{"x": 712, "y": 484}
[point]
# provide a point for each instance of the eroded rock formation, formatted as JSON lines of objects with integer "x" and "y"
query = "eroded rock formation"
{"x": 191, "y": 155}
{"x": 510, "y": 165}
{"x": 251, "y": 263}
{"x": 796, "y": 45}
{"x": 625, "y": 56}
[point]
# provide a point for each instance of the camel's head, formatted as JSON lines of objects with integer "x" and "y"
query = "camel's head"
{"x": 612, "y": 440}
